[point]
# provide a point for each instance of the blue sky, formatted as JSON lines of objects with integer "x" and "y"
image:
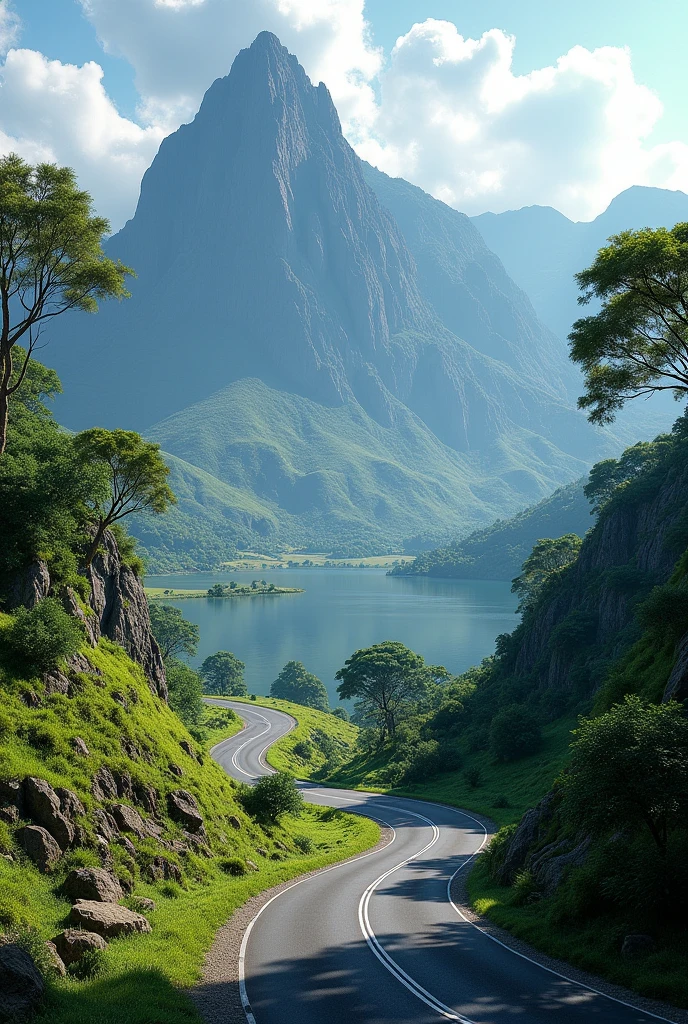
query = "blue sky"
{"x": 478, "y": 124}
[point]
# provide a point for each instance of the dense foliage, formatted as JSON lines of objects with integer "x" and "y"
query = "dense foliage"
{"x": 272, "y": 797}
{"x": 175, "y": 634}
{"x": 548, "y": 557}
{"x": 294, "y": 683}
{"x": 222, "y": 673}
{"x": 39, "y": 637}
{"x": 185, "y": 692}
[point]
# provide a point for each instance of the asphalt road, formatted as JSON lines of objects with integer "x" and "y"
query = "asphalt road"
{"x": 377, "y": 940}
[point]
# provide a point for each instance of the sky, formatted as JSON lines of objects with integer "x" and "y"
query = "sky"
{"x": 487, "y": 106}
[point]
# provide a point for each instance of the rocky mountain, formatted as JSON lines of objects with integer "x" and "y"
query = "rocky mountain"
{"x": 265, "y": 250}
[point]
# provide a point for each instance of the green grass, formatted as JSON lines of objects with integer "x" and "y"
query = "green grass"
{"x": 219, "y": 724}
{"x": 593, "y": 944}
{"x": 281, "y": 755}
{"x": 144, "y": 976}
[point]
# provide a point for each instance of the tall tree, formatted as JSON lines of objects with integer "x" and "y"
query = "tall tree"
{"x": 223, "y": 673}
{"x": 638, "y": 343}
{"x": 548, "y": 557}
{"x": 51, "y": 260}
{"x": 175, "y": 634}
{"x": 295, "y": 683}
{"x": 387, "y": 681}
{"x": 137, "y": 474}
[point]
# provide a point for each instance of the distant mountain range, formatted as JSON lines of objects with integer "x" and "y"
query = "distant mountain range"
{"x": 330, "y": 357}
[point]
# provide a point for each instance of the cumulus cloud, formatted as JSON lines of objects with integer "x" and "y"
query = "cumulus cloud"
{"x": 444, "y": 111}
{"x": 455, "y": 119}
{"x": 59, "y": 112}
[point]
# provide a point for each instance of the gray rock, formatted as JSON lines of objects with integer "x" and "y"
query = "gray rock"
{"x": 104, "y": 823}
{"x": 188, "y": 749}
{"x": 11, "y": 792}
{"x": 56, "y": 961}
{"x": 125, "y": 786}
{"x": 638, "y": 945}
{"x": 129, "y": 820}
{"x": 74, "y": 942}
{"x": 252, "y": 865}
{"x": 43, "y": 804}
{"x": 103, "y": 851}
{"x": 146, "y": 905}
{"x": 92, "y": 884}
{"x": 31, "y": 698}
{"x": 176, "y": 770}
{"x": 39, "y": 846}
{"x": 28, "y": 587}
{"x": 184, "y": 809}
{"x": 70, "y": 804}
{"x": 160, "y": 868}
{"x": 80, "y": 747}
{"x": 677, "y": 685}
{"x": 21, "y": 985}
{"x": 551, "y": 863}
{"x": 234, "y": 821}
{"x": 519, "y": 845}
{"x": 103, "y": 785}
{"x": 146, "y": 796}
{"x": 89, "y": 623}
{"x": 107, "y": 919}
{"x": 9, "y": 814}
{"x": 126, "y": 843}
{"x": 56, "y": 682}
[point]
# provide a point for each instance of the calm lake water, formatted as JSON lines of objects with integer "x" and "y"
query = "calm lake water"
{"x": 450, "y": 622}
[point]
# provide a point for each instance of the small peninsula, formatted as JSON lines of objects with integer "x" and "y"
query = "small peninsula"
{"x": 258, "y": 588}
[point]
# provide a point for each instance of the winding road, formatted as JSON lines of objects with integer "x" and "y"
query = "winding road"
{"x": 377, "y": 939}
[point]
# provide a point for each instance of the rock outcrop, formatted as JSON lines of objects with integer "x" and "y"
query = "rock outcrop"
{"x": 28, "y": 587}
{"x": 39, "y": 846}
{"x": 21, "y": 984}
{"x": 107, "y": 919}
{"x": 92, "y": 884}
{"x": 43, "y": 805}
{"x": 184, "y": 809}
{"x": 74, "y": 942}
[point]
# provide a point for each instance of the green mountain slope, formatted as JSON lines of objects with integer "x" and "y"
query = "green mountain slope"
{"x": 497, "y": 552}
{"x": 254, "y": 465}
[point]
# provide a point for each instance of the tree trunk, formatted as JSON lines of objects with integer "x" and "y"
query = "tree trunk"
{"x": 5, "y": 379}
{"x": 93, "y": 550}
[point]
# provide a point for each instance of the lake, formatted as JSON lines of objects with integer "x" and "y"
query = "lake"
{"x": 450, "y": 622}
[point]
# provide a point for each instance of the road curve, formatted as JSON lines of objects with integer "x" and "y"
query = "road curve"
{"x": 377, "y": 940}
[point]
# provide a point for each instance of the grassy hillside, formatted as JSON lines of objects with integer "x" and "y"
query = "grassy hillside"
{"x": 498, "y": 551}
{"x": 110, "y": 707}
{"x": 315, "y": 746}
{"x": 264, "y": 469}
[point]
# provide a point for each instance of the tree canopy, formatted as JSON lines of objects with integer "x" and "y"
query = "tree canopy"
{"x": 175, "y": 634}
{"x": 51, "y": 260}
{"x": 638, "y": 343}
{"x": 137, "y": 476}
{"x": 548, "y": 557}
{"x": 607, "y": 475}
{"x": 223, "y": 673}
{"x": 185, "y": 691}
{"x": 386, "y": 681}
{"x": 300, "y": 686}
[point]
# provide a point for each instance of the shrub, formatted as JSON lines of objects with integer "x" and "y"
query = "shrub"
{"x": 524, "y": 889}
{"x": 473, "y": 777}
{"x": 185, "y": 692}
{"x": 342, "y": 713}
{"x": 304, "y": 750}
{"x": 171, "y": 890}
{"x": 501, "y": 801}
{"x": 303, "y": 843}
{"x": 89, "y": 965}
{"x": 514, "y": 733}
{"x": 40, "y": 636}
{"x": 272, "y": 797}
{"x": 494, "y": 855}
{"x": 233, "y": 866}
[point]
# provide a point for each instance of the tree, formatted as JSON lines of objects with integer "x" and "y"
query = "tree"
{"x": 514, "y": 733}
{"x": 609, "y": 474}
{"x": 223, "y": 673}
{"x": 175, "y": 634}
{"x": 387, "y": 680}
{"x": 51, "y": 261}
{"x": 629, "y": 769}
{"x": 296, "y": 684}
{"x": 185, "y": 691}
{"x": 137, "y": 475}
{"x": 272, "y": 797}
{"x": 342, "y": 713}
{"x": 40, "y": 636}
{"x": 638, "y": 343}
{"x": 547, "y": 558}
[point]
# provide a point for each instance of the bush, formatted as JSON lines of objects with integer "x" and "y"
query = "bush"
{"x": 342, "y": 713}
{"x": 473, "y": 777}
{"x": 89, "y": 965}
{"x": 185, "y": 692}
{"x": 303, "y": 843}
{"x": 514, "y": 733}
{"x": 304, "y": 750}
{"x": 233, "y": 866}
{"x": 39, "y": 637}
{"x": 495, "y": 852}
{"x": 524, "y": 889}
{"x": 272, "y": 797}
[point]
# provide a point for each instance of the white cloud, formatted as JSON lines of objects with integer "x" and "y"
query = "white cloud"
{"x": 449, "y": 114}
{"x": 10, "y": 26}
{"x": 59, "y": 112}
{"x": 455, "y": 119}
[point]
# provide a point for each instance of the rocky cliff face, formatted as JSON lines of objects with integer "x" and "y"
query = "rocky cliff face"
{"x": 631, "y": 549}
{"x": 118, "y": 608}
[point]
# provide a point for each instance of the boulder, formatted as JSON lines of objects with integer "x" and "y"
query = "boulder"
{"x": 638, "y": 945}
{"x": 104, "y": 823}
{"x": 74, "y": 942}
{"x": 184, "y": 809}
{"x": 43, "y": 804}
{"x": 126, "y": 843}
{"x": 39, "y": 846}
{"x": 176, "y": 770}
{"x": 21, "y": 984}
{"x": 187, "y": 748}
{"x": 146, "y": 796}
{"x": 129, "y": 820}
{"x": 107, "y": 919}
{"x": 234, "y": 821}
{"x": 120, "y": 699}
{"x": 146, "y": 906}
{"x": 161, "y": 868}
{"x": 80, "y": 747}
{"x": 125, "y": 786}
{"x": 56, "y": 961}
{"x": 70, "y": 804}
{"x": 29, "y": 586}
{"x": 251, "y": 864}
{"x": 56, "y": 682}
{"x": 262, "y": 851}
{"x": 92, "y": 884}
{"x": 103, "y": 785}
{"x": 528, "y": 831}
{"x": 9, "y": 814}
{"x": 103, "y": 851}
{"x": 31, "y": 698}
